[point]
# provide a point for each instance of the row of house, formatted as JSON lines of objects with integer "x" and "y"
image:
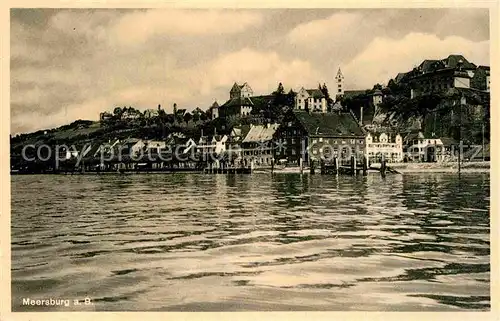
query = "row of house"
{"x": 301, "y": 137}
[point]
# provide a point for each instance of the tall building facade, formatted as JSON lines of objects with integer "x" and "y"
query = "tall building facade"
{"x": 339, "y": 83}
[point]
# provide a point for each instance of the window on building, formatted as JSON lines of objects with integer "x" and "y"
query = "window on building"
{"x": 321, "y": 139}
{"x": 315, "y": 151}
{"x": 340, "y": 90}
{"x": 340, "y": 86}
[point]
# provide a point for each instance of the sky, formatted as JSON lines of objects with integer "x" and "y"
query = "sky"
{"x": 69, "y": 64}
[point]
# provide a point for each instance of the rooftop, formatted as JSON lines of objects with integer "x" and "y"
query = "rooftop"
{"x": 353, "y": 93}
{"x": 452, "y": 61}
{"x": 261, "y": 133}
{"x": 329, "y": 124}
{"x": 315, "y": 93}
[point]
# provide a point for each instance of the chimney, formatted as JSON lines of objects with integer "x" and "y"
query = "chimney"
{"x": 159, "y": 107}
{"x": 361, "y": 116}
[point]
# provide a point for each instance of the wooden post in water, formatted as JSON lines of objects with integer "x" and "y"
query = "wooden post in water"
{"x": 272, "y": 165}
{"x": 301, "y": 164}
{"x": 322, "y": 166}
{"x": 337, "y": 161}
{"x": 382, "y": 166}
{"x": 365, "y": 166}
{"x": 311, "y": 167}
{"x": 354, "y": 165}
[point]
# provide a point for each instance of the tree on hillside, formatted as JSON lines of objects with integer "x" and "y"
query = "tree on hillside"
{"x": 118, "y": 111}
{"x": 279, "y": 97}
{"x": 280, "y": 90}
{"x": 196, "y": 116}
{"x": 169, "y": 119}
{"x": 324, "y": 90}
{"x": 188, "y": 117}
{"x": 290, "y": 98}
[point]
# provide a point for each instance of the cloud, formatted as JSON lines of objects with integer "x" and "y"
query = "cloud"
{"x": 313, "y": 32}
{"x": 91, "y": 24}
{"x": 262, "y": 70}
{"x": 71, "y": 64}
{"x": 139, "y": 26}
{"x": 385, "y": 57}
{"x": 189, "y": 87}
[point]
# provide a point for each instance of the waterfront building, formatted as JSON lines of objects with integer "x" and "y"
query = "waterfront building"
{"x": 385, "y": 143}
{"x": 180, "y": 144}
{"x": 212, "y": 145}
{"x": 67, "y": 152}
{"x": 310, "y": 99}
{"x": 130, "y": 147}
{"x": 102, "y": 148}
{"x": 313, "y": 136}
{"x": 154, "y": 146}
{"x": 418, "y": 148}
{"x": 257, "y": 146}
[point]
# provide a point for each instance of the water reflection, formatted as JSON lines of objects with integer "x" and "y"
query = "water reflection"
{"x": 252, "y": 242}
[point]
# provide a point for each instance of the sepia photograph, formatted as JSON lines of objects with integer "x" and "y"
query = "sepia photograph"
{"x": 254, "y": 160}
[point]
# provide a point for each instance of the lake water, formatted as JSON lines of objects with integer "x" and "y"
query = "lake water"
{"x": 205, "y": 242}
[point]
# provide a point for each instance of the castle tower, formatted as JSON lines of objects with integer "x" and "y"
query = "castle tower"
{"x": 339, "y": 81}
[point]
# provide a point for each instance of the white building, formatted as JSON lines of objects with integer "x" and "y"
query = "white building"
{"x": 257, "y": 146}
{"x": 312, "y": 99}
{"x": 240, "y": 91}
{"x": 151, "y": 113}
{"x": 339, "y": 81}
{"x": 389, "y": 145}
{"x": 154, "y": 146}
{"x": 214, "y": 145}
{"x": 421, "y": 149}
{"x": 214, "y": 110}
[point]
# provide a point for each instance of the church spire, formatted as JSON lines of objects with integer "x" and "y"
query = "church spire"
{"x": 339, "y": 74}
{"x": 339, "y": 80}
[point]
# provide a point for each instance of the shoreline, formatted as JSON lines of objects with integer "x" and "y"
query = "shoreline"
{"x": 466, "y": 167}
{"x": 401, "y": 168}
